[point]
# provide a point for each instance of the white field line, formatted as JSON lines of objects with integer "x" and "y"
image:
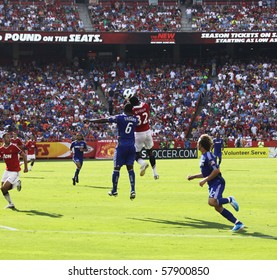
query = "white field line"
{"x": 8, "y": 228}
{"x": 232, "y": 235}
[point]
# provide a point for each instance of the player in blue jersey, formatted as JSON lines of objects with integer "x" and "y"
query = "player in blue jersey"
{"x": 218, "y": 147}
{"x": 77, "y": 148}
{"x": 125, "y": 152}
{"x": 211, "y": 174}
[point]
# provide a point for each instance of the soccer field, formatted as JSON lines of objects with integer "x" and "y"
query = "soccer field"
{"x": 169, "y": 219}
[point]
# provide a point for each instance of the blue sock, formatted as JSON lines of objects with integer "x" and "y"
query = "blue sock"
{"x": 132, "y": 179}
{"x": 222, "y": 201}
{"x": 115, "y": 178}
{"x": 77, "y": 173}
{"x": 228, "y": 215}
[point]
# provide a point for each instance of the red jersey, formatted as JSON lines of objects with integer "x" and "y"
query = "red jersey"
{"x": 17, "y": 141}
{"x": 142, "y": 112}
{"x": 10, "y": 156}
{"x": 31, "y": 147}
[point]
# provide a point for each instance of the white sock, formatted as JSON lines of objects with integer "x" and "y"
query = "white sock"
{"x": 8, "y": 198}
{"x": 141, "y": 162}
{"x": 14, "y": 185}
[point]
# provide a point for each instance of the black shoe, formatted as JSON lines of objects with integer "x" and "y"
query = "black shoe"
{"x": 10, "y": 206}
{"x": 73, "y": 181}
{"x": 77, "y": 180}
{"x": 132, "y": 195}
{"x": 111, "y": 193}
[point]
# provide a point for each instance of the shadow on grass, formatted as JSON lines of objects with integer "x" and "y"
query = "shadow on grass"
{"x": 95, "y": 187}
{"x": 202, "y": 224}
{"x": 194, "y": 223}
{"x": 38, "y": 213}
{"x": 33, "y": 178}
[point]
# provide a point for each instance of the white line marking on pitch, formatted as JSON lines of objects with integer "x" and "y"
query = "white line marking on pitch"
{"x": 148, "y": 234}
{"x": 8, "y": 228}
{"x": 138, "y": 234}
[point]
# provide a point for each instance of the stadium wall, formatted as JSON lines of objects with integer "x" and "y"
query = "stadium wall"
{"x": 104, "y": 149}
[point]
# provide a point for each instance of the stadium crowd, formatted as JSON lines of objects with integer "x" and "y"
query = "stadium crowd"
{"x": 48, "y": 101}
{"x": 218, "y": 18}
{"x": 45, "y": 17}
{"x": 52, "y": 101}
{"x": 237, "y": 99}
{"x": 123, "y": 17}
{"x": 239, "y": 102}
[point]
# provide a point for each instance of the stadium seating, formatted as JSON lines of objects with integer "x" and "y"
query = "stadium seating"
{"x": 32, "y": 16}
{"x": 62, "y": 96}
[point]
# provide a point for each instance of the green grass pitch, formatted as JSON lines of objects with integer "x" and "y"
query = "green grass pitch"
{"x": 169, "y": 219}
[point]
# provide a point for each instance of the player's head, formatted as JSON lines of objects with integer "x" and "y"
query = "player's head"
{"x": 205, "y": 142}
{"x": 134, "y": 101}
{"x": 6, "y": 137}
{"x": 128, "y": 109}
{"x": 79, "y": 136}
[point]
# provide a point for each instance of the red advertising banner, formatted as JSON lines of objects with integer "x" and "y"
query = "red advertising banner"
{"x": 135, "y": 38}
{"x": 61, "y": 150}
{"x": 105, "y": 149}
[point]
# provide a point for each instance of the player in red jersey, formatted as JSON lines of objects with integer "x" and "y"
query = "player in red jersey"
{"x": 10, "y": 179}
{"x": 16, "y": 140}
{"x": 31, "y": 148}
{"x": 143, "y": 136}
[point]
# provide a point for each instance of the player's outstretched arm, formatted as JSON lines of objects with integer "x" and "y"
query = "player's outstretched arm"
{"x": 104, "y": 120}
{"x": 191, "y": 177}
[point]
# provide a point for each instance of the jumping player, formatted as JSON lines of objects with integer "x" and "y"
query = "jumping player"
{"x": 125, "y": 152}
{"x": 10, "y": 179}
{"x": 212, "y": 175}
{"x": 77, "y": 148}
{"x": 143, "y": 136}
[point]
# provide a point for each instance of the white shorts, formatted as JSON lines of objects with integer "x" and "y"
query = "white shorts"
{"x": 11, "y": 176}
{"x": 29, "y": 157}
{"x": 143, "y": 140}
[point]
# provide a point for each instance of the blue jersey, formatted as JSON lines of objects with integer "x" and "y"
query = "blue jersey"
{"x": 126, "y": 129}
{"x": 125, "y": 152}
{"x": 75, "y": 147}
{"x": 207, "y": 165}
{"x": 218, "y": 145}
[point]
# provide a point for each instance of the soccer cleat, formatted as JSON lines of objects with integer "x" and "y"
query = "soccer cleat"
{"x": 234, "y": 203}
{"x": 77, "y": 180}
{"x": 132, "y": 195}
{"x": 238, "y": 226}
{"x": 111, "y": 193}
{"x": 143, "y": 169}
{"x": 10, "y": 206}
{"x": 73, "y": 181}
{"x": 156, "y": 176}
{"x": 19, "y": 186}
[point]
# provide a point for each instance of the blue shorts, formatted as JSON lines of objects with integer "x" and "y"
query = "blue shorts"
{"x": 76, "y": 159}
{"x": 219, "y": 155}
{"x": 216, "y": 188}
{"x": 124, "y": 155}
